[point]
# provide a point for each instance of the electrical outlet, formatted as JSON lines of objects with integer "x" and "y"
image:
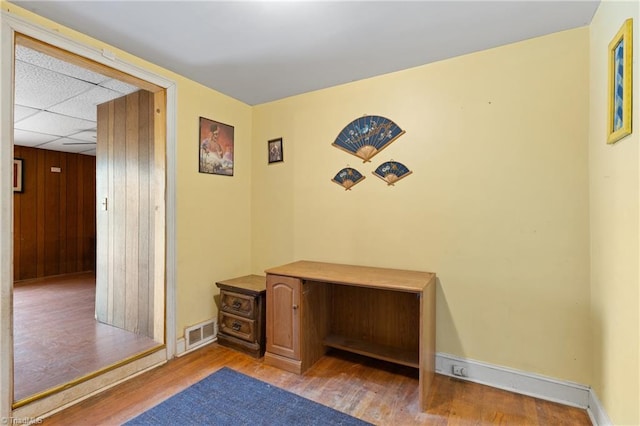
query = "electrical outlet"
{"x": 459, "y": 370}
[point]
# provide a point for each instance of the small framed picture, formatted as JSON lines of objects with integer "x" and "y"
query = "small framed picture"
{"x": 275, "y": 150}
{"x": 620, "y": 76}
{"x": 216, "y": 147}
{"x": 17, "y": 175}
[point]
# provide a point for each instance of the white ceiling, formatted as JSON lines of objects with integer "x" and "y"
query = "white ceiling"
{"x": 259, "y": 51}
{"x": 55, "y": 102}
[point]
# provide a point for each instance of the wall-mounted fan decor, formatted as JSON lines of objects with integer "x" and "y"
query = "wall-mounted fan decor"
{"x": 366, "y": 136}
{"x": 347, "y": 178}
{"x": 392, "y": 171}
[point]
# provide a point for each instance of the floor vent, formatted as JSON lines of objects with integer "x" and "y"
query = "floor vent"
{"x": 200, "y": 334}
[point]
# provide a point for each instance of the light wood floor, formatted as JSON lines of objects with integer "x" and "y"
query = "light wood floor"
{"x": 56, "y": 336}
{"x": 372, "y": 390}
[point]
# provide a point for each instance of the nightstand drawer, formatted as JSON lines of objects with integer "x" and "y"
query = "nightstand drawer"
{"x": 239, "y": 304}
{"x": 237, "y": 326}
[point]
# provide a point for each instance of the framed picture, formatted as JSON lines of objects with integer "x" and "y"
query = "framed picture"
{"x": 17, "y": 175}
{"x": 620, "y": 80}
{"x": 275, "y": 150}
{"x": 215, "y": 147}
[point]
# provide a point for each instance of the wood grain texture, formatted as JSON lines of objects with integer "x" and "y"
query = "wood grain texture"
{"x": 54, "y": 231}
{"x": 126, "y": 290}
{"x": 377, "y": 392}
{"x": 314, "y": 313}
{"x": 365, "y": 276}
{"x": 283, "y": 317}
{"x": 63, "y": 342}
{"x": 379, "y": 316}
{"x": 427, "y": 340}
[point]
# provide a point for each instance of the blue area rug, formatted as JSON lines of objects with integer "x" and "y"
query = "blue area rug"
{"x": 227, "y": 397}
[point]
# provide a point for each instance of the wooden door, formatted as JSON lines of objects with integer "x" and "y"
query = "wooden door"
{"x": 283, "y": 316}
{"x": 126, "y": 213}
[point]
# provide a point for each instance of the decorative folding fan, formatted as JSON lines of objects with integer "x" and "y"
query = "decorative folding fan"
{"x": 392, "y": 171}
{"x": 347, "y": 177}
{"x": 366, "y": 136}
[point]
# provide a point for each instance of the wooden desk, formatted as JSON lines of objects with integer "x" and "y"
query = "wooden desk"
{"x": 387, "y": 314}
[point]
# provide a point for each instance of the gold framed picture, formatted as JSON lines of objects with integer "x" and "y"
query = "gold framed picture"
{"x": 620, "y": 81}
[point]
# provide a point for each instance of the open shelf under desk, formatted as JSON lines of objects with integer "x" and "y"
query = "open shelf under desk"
{"x": 374, "y": 350}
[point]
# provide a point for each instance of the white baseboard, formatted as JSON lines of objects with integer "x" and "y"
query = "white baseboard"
{"x": 563, "y": 392}
{"x": 596, "y": 411}
{"x": 181, "y": 345}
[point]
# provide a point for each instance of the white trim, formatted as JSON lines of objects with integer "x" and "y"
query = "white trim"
{"x": 171, "y": 154}
{"x": 11, "y": 23}
{"x": 596, "y": 412}
{"x": 563, "y": 392}
{"x": 181, "y": 345}
{"x": 6, "y": 218}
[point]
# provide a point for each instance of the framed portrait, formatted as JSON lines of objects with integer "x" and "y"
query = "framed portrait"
{"x": 17, "y": 175}
{"x": 620, "y": 81}
{"x": 215, "y": 147}
{"x": 275, "y": 150}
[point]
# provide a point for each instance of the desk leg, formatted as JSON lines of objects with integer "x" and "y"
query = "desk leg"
{"x": 427, "y": 341}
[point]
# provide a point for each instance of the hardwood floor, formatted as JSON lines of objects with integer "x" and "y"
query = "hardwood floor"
{"x": 375, "y": 391}
{"x": 56, "y": 336}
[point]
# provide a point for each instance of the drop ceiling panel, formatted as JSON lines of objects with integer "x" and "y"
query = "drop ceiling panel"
{"x": 41, "y": 88}
{"x": 86, "y": 136}
{"x": 55, "y": 124}
{"x": 68, "y": 145}
{"x": 27, "y": 138}
{"x": 45, "y": 61}
{"x": 20, "y": 112}
{"x": 85, "y": 104}
{"x": 119, "y": 86}
{"x": 56, "y": 99}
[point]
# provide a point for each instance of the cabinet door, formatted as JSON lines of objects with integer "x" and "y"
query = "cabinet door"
{"x": 283, "y": 316}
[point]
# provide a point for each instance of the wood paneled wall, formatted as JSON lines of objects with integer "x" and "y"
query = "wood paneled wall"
{"x": 55, "y": 215}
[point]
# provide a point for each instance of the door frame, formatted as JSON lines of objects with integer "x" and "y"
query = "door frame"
{"x": 11, "y": 24}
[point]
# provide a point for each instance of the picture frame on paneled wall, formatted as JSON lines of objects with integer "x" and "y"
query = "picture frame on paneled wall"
{"x": 215, "y": 147}
{"x": 275, "y": 150}
{"x": 620, "y": 82}
{"x": 18, "y": 178}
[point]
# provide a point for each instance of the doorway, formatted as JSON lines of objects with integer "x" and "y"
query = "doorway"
{"x": 11, "y": 27}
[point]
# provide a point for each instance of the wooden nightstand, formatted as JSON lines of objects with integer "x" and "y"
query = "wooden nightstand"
{"x": 241, "y": 318}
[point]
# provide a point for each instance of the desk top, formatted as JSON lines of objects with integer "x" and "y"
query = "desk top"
{"x": 364, "y": 276}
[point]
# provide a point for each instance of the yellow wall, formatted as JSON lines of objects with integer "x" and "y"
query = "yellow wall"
{"x": 213, "y": 212}
{"x": 497, "y": 204}
{"x": 614, "y": 204}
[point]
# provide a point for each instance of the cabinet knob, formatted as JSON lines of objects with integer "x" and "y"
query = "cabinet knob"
{"x": 295, "y": 306}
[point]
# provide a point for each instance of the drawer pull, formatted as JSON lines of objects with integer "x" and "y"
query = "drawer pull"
{"x": 236, "y": 304}
{"x": 295, "y": 307}
{"x": 236, "y": 326}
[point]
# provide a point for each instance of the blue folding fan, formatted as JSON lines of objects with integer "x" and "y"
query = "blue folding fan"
{"x": 347, "y": 178}
{"x": 366, "y": 136}
{"x": 392, "y": 171}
